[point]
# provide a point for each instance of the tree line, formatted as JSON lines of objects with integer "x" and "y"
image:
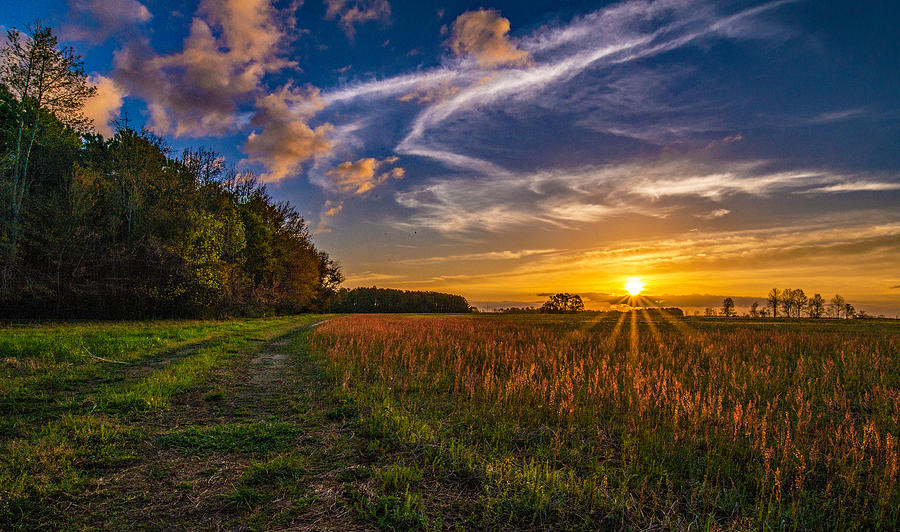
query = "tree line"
{"x": 377, "y": 300}
{"x": 122, "y": 226}
{"x": 794, "y": 303}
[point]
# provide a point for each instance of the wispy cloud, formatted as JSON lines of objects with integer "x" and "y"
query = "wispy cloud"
{"x": 591, "y": 193}
{"x": 485, "y": 256}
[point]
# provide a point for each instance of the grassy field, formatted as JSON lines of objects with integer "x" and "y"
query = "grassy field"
{"x": 451, "y": 422}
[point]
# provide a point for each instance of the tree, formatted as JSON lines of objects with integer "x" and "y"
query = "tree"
{"x": 849, "y": 311}
{"x": 836, "y": 306}
{"x": 798, "y": 301}
{"x": 774, "y": 299}
{"x": 787, "y": 302}
{"x": 710, "y": 312}
{"x": 728, "y": 307}
{"x": 563, "y": 303}
{"x": 754, "y": 310}
{"x": 43, "y": 79}
{"x": 816, "y": 306}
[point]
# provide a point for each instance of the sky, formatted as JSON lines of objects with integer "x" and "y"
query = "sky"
{"x": 512, "y": 149}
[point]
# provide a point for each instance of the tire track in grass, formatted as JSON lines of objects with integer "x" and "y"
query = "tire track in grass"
{"x": 237, "y": 460}
{"x": 44, "y": 475}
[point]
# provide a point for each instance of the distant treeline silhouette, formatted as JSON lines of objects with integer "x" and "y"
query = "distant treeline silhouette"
{"x": 793, "y": 303}
{"x": 121, "y": 227}
{"x": 372, "y": 300}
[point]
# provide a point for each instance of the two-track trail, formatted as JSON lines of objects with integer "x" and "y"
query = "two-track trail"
{"x": 237, "y": 432}
{"x": 253, "y": 447}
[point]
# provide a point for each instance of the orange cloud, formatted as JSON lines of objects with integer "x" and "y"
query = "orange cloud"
{"x": 362, "y": 176}
{"x": 332, "y": 208}
{"x": 482, "y": 34}
{"x": 231, "y": 46}
{"x": 105, "y": 105}
{"x": 431, "y": 94}
{"x": 286, "y": 140}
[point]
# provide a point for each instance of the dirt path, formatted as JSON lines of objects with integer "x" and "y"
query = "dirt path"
{"x": 259, "y": 446}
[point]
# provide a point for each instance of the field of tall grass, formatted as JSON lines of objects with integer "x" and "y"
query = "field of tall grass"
{"x": 642, "y": 421}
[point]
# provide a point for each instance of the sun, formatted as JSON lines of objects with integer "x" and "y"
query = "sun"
{"x": 634, "y": 285}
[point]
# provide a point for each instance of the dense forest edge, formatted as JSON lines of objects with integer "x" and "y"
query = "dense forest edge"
{"x": 124, "y": 227}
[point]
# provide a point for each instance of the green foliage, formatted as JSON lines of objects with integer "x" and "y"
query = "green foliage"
{"x": 563, "y": 303}
{"x": 118, "y": 228}
{"x": 378, "y": 300}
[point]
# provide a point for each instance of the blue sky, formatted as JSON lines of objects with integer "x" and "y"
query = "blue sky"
{"x": 509, "y": 149}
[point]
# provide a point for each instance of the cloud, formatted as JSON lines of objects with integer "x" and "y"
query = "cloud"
{"x": 231, "y": 46}
{"x": 351, "y": 13}
{"x": 855, "y": 186}
{"x": 567, "y": 197}
{"x": 332, "y": 208}
{"x": 711, "y": 215}
{"x": 104, "y": 107}
{"x": 489, "y": 255}
{"x": 482, "y": 34}
{"x": 95, "y": 20}
{"x": 286, "y": 141}
{"x": 361, "y": 176}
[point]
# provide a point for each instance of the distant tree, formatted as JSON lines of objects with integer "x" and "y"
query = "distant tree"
{"x": 43, "y": 79}
{"x": 754, "y": 310}
{"x": 816, "y": 306}
{"x": 728, "y": 307}
{"x": 710, "y": 312}
{"x": 798, "y": 301}
{"x": 763, "y": 312}
{"x": 774, "y": 299}
{"x": 787, "y": 302}
{"x": 836, "y": 306}
{"x": 849, "y": 311}
{"x": 563, "y": 303}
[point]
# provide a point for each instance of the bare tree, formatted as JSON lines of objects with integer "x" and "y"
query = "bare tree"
{"x": 774, "y": 299}
{"x": 754, "y": 310}
{"x": 42, "y": 77}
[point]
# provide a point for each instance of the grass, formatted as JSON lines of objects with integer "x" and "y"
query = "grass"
{"x": 70, "y": 417}
{"x": 451, "y": 423}
{"x": 571, "y": 422}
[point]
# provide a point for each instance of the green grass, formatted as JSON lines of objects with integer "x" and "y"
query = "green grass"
{"x": 69, "y": 418}
{"x": 255, "y": 438}
{"x": 451, "y": 423}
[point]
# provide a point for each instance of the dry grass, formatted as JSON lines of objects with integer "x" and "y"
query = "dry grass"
{"x": 643, "y": 421}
